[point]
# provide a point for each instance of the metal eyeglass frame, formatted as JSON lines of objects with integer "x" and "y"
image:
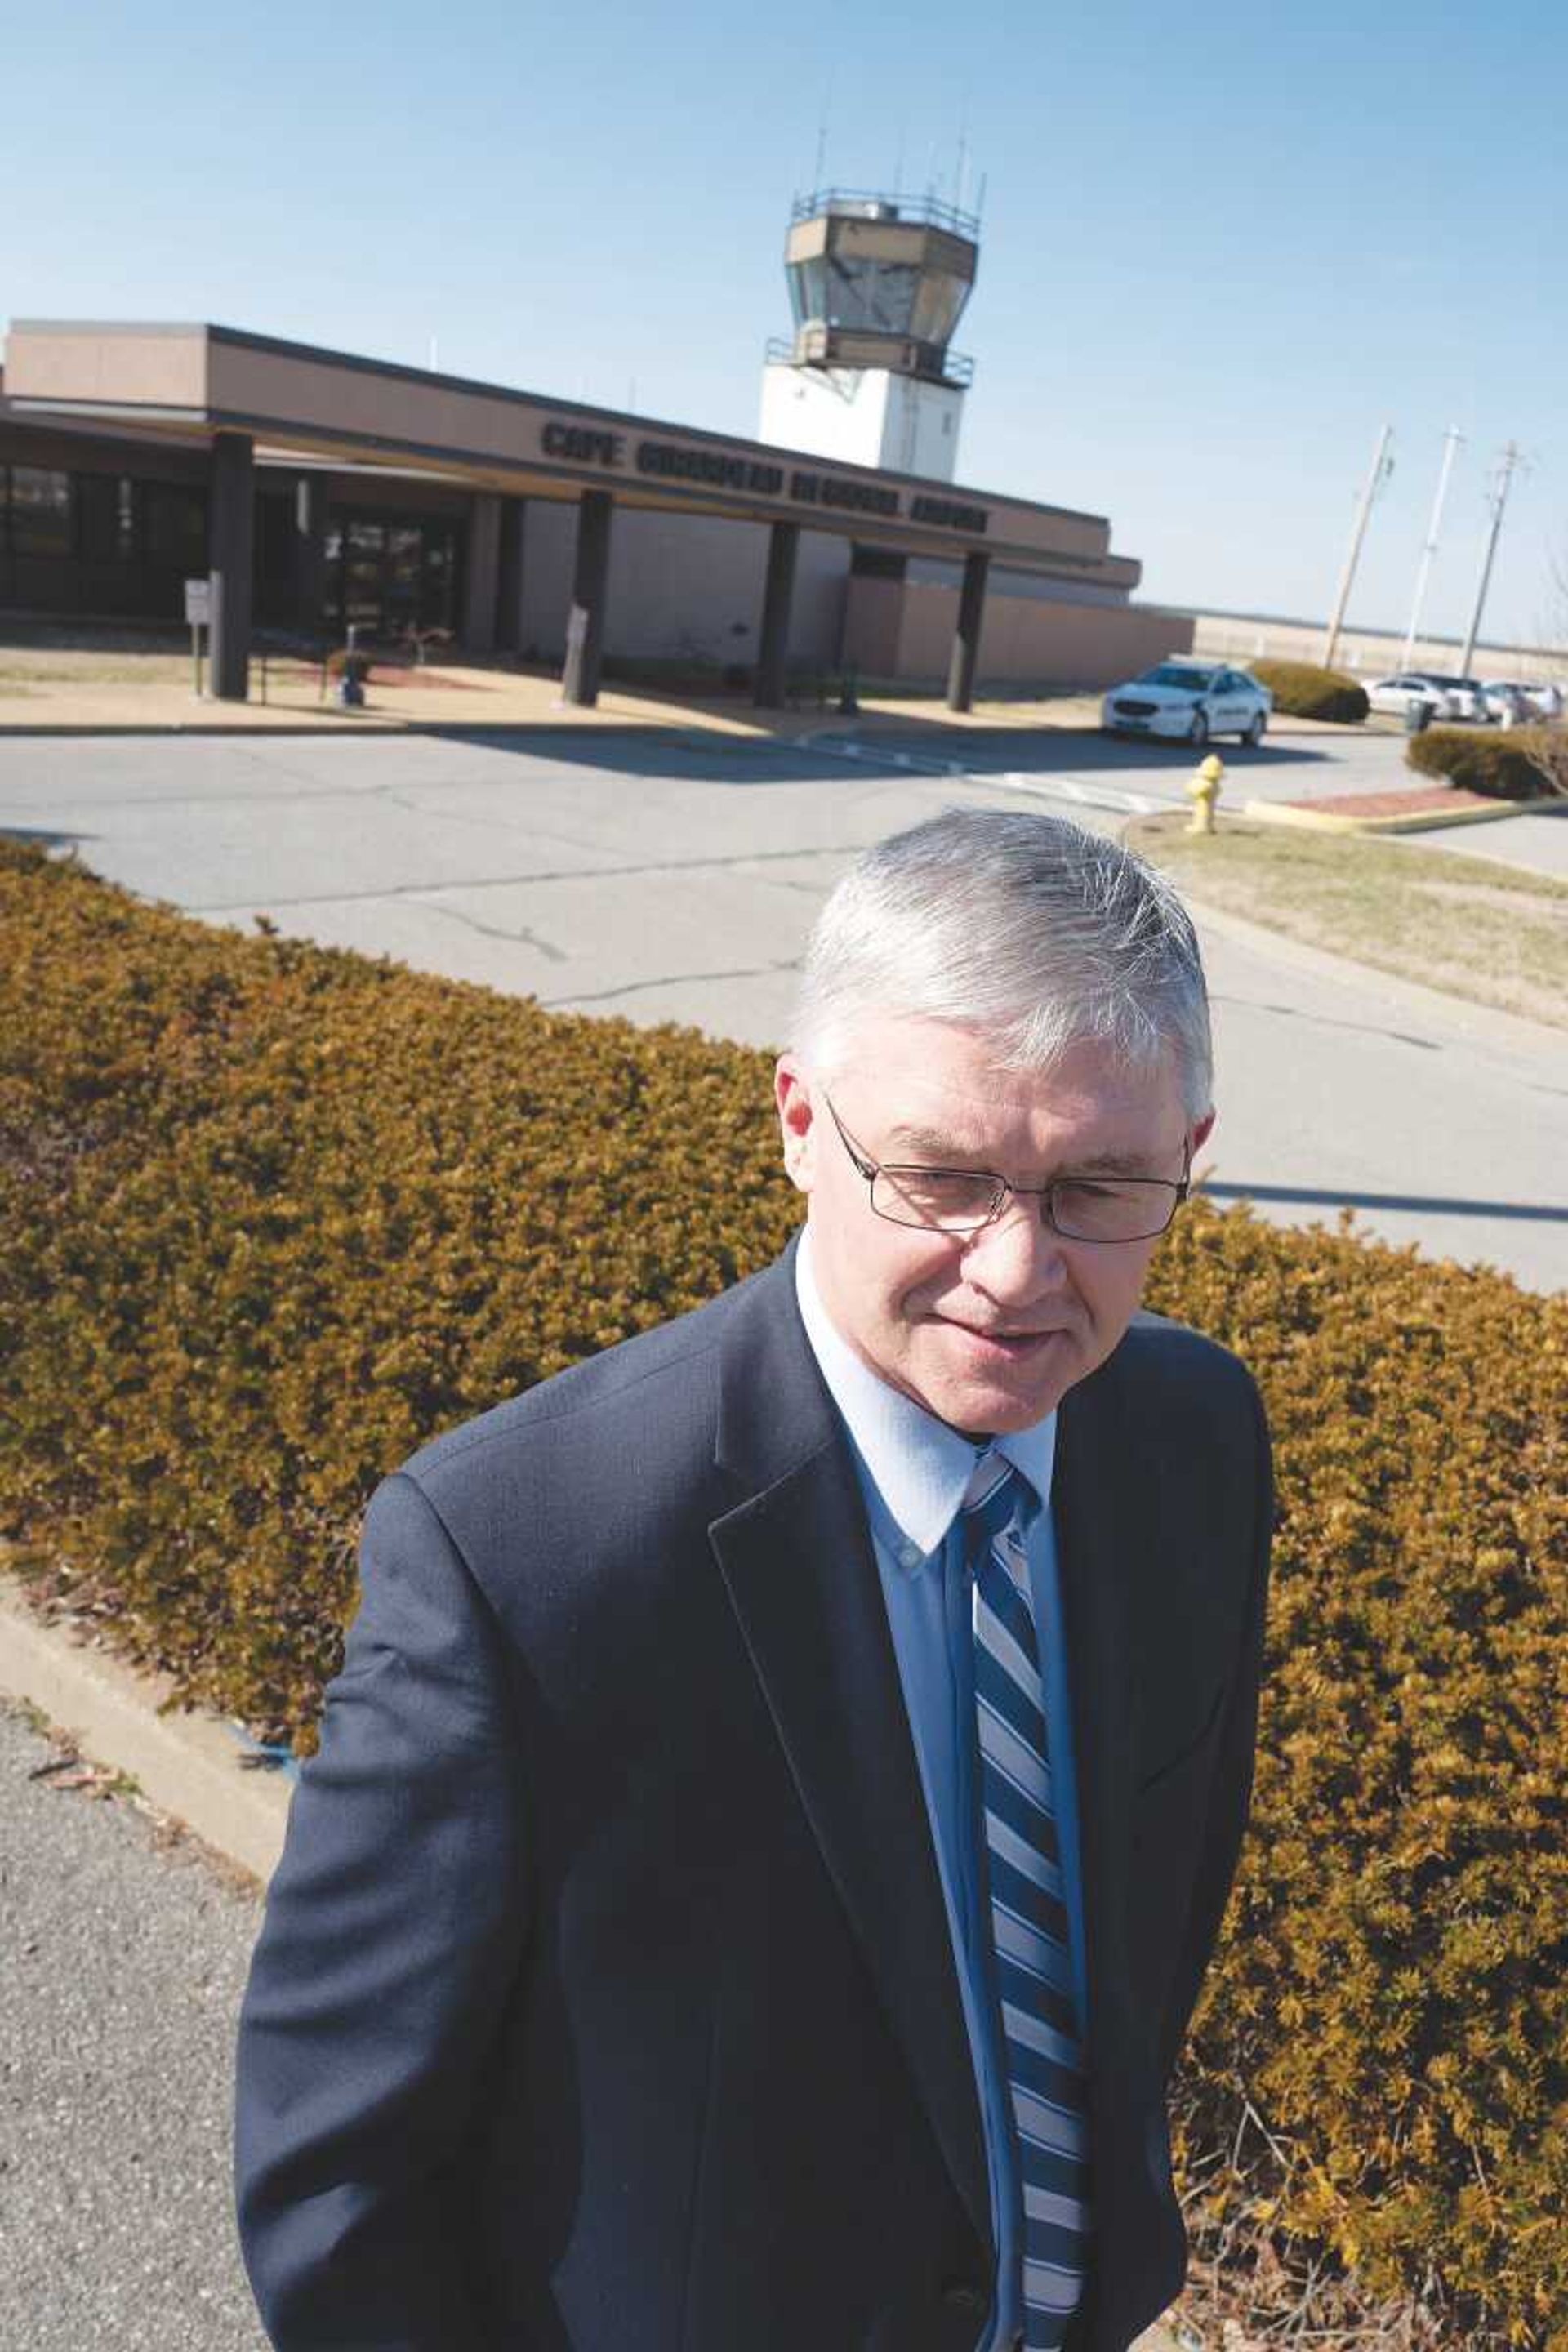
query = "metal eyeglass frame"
{"x": 1002, "y": 1191}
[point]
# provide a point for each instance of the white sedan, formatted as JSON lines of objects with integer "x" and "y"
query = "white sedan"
{"x": 1189, "y": 700}
{"x": 1397, "y": 694}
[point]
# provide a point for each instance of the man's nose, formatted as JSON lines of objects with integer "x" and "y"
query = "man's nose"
{"x": 1019, "y": 1253}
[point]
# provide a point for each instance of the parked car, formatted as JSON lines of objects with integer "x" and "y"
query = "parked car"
{"x": 1466, "y": 696}
{"x": 1397, "y": 693}
{"x": 1508, "y": 702}
{"x": 1540, "y": 697}
{"x": 1190, "y": 700}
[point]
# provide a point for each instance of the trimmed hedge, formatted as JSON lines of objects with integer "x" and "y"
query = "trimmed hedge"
{"x": 270, "y": 1214}
{"x": 1302, "y": 690}
{"x": 1478, "y": 761}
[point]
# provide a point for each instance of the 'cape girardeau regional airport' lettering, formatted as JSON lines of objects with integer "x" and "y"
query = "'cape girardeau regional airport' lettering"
{"x": 592, "y": 444}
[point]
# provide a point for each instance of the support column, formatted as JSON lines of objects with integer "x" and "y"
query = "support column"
{"x": 483, "y": 572}
{"x": 773, "y": 652}
{"x": 509, "y": 639}
{"x": 231, "y": 532}
{"x": 590, "y": 582}
{"x": 966, "y": 641}
{"x": 309, "y": 550}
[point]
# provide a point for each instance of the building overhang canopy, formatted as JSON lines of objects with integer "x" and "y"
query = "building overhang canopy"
{"x": 190, "y": 382}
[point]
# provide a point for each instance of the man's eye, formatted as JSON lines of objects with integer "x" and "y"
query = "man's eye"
{"x": 942, "y": 1183}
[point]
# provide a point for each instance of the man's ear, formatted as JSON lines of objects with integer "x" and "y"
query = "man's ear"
{"x": 792, "y": 1099}
{"x": 1202, "y": 1132}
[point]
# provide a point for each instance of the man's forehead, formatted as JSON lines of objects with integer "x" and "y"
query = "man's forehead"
{"x": 961, "y": 1142}
{"x": 934, "y": 1104}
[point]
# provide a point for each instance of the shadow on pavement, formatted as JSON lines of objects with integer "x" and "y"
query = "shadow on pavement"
{"x": 39, "y": 838}
{"x": 1435, "y": 1204}
{"x": 808, "y": 758}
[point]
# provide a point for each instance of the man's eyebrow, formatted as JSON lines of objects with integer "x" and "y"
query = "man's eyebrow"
{"x": 930, "y": 1141}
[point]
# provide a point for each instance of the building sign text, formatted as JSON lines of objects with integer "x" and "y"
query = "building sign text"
{"x": 720, "y": 469}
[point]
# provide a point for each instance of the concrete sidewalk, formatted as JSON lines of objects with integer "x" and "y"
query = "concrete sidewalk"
{"x": 125, "y": 1956}
{"x": 289, "y": 700}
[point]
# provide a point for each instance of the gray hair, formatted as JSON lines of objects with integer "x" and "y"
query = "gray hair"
{"x": 1024, "y": 927}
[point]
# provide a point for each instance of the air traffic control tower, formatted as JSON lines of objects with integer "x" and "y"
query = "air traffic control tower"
{"x": 877, "y": 283}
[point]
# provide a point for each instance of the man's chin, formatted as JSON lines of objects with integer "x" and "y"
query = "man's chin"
{"x": 992, "y": 1389}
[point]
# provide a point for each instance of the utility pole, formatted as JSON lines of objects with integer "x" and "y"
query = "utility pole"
{"x": 1451, "y": 441}
{"x": 1382, "y": 466}
{"x": 1511, "y": 458}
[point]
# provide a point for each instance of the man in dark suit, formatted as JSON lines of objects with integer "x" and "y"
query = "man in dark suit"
{"x": 787, "y": 1772}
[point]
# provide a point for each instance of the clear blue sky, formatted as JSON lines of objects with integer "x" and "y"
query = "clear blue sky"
{"x": 1221, "y": 246}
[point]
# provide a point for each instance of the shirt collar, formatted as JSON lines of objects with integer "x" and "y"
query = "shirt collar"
{"x": 918, "y": 1465}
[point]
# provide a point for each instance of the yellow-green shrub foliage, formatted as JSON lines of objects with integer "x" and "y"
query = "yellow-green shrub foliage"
{"x": 1392, "y": 1994}
{"x": 1497, "y": 764}
{"x": 1303, "y": 690}
{"x": 270, "y": 1215}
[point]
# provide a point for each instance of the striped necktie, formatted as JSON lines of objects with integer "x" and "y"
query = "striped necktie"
{"x": 1041, "y": 2049}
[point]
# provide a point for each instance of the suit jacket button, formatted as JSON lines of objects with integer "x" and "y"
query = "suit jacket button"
{"x": 960, "y": 2295}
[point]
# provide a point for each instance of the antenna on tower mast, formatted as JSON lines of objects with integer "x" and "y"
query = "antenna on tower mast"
{"x": 821, "y": 163}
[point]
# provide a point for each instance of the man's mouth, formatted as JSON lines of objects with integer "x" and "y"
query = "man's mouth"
{"x": 1007, "y": 1343}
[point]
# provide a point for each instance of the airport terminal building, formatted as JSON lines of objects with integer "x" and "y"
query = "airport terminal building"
{"x": 317, "y": 491}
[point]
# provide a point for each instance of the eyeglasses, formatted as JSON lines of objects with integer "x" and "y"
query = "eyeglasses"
{"x": 964, "y": 1200}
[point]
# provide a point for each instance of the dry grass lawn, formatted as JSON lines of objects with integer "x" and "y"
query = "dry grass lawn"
{"x": 22, "y": 667}
{"x": 1469, "y": 925}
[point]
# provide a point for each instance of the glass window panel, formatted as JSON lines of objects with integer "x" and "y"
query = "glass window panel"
{"x": 439, "y": 601}
{"x": 808, "y": 290}
{"x": 877, "y": 294}
{"x": 405, "y": 543}
{"x": 104, "y": 536}
{"x": 940, "y": 298}
{"x": 176, "y": 527}
{"x": 41, "y": 511}
{"x": 362, "y": 592}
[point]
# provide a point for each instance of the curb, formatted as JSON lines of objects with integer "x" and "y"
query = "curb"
{"x": 192, "y": 1766}
{"x": 1325, "y": 818}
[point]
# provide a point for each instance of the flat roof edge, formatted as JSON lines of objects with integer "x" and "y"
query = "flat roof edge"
{"x": 112, "y": 327}
{"x": 248, "y": 339}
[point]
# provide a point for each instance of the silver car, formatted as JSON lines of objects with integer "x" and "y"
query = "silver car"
{"x": 1466, "y": 696}
{"x": 1408, "y": 686}
{"x": 1523, "y": 697}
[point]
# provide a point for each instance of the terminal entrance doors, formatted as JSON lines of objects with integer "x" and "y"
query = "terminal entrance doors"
{"x": 386, "y": 574}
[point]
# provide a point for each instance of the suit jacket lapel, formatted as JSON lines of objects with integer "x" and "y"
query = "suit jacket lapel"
{"x": 1094, "y": 1529}
{"x": 801, "y": 1577}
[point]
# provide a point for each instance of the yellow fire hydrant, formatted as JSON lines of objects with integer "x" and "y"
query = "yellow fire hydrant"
{"x": 1203, "y": 790}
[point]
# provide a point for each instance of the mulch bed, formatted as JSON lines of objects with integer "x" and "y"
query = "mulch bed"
{"x": 1420, "y": 798}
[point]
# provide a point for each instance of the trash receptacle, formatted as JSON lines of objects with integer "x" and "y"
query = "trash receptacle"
{"x": 1418, "y": 714}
